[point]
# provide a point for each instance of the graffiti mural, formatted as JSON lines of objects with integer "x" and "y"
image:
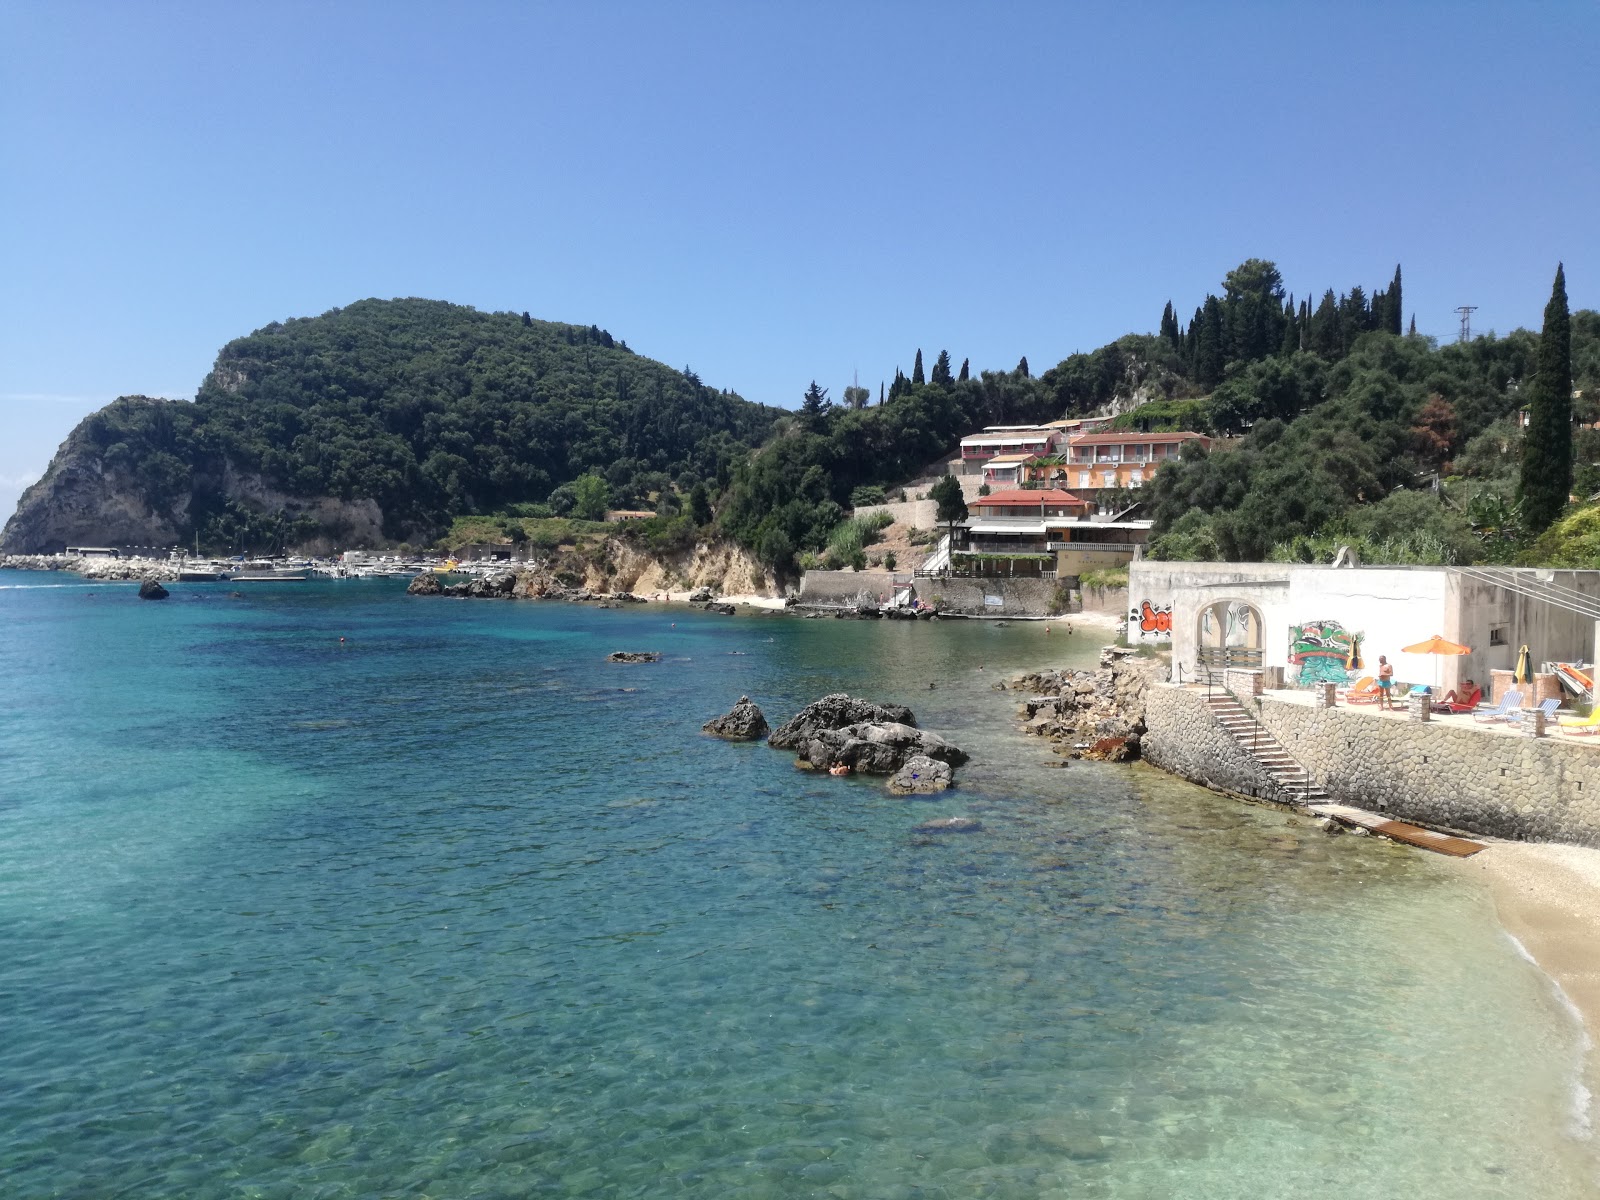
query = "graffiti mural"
{"x": 1150, "y": 624}
{"x": 1325, "y": 651}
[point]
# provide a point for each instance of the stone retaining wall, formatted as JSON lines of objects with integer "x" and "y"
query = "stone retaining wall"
{"x": 1441, "y": 772}
{"x": 1184, "y": 737}
{"x": 1437, "y": 772}
{"x": 1017, "y": 597}
{"x": 850, "y": 587}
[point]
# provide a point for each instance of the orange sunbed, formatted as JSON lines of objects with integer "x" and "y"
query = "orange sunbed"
{"x": 1363, "y": 691}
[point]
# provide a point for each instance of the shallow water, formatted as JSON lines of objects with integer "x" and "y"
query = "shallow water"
{"x": 455, "y": 908}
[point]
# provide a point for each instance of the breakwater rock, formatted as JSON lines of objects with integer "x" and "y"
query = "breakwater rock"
{"x": 744, "y": 722}
{"x": 634, "y": 656}
{"x": 1095, "y": 714}
{"x": 109, "y": 569}
{"x": 151, "y": 589}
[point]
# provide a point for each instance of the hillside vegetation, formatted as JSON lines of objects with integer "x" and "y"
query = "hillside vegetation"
{"x": 431, "y": 410}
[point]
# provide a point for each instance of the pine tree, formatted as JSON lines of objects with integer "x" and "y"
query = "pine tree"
{"x": 917, "y": 379}
{"x": 941, "y": 369}
{"x": 1547, "y": 444}
{"x": 814, "y": 406}
{"x": 1022, "y": 367}
{"x": 1325, "y": 338}
{"x": 526, "y": 320}
{"x": 963, "y": 377}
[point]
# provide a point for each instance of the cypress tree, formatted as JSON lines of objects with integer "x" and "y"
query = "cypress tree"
{"x": 1169, "y": 324}
{"x": 1022, "y": 367}
{"x": 916, "y": 370}
{"x": 941, "y": 369}
{"x": 1291, "y": 330}
{"x": 1413, "y": 330}
{"x": 880, "y": 393}
{"x": 1394, "y": 303}
{"x": 963, "y": 377}
{"x": 1547, "y": 444}
{"x": 1209, "y": 347}
{"x": 1324, "y": 337}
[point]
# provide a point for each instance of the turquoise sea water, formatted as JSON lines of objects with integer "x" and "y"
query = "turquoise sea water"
{"x": 455, "y": 909}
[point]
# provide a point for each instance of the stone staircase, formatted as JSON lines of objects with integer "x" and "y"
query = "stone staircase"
{"x": 1295, "y": 784}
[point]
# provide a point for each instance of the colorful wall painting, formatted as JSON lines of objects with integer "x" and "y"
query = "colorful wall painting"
{"x": 1325, "y": 651}
{"x": 1150, "y": 624}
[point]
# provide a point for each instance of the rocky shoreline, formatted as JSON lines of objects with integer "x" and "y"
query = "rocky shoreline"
{"x": 1095, "y": 714}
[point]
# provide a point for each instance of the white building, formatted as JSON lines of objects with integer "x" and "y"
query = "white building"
{"x": 1305, "y": 620}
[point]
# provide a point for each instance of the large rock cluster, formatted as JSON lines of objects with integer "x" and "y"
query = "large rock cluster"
{"x": 1095, "y": 714}
{"x": 499, "y": 584}
{"x": 836, "y": 711}
{"x": 874, "y": 739}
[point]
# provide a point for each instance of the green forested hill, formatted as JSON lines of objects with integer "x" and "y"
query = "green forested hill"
{"x": 428, "y": 408}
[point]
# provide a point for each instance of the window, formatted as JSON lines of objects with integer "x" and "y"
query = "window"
{"x": 1136, "y": 478}
{"x": 1497, "y": 637}
{"x": 1083, "y": 479}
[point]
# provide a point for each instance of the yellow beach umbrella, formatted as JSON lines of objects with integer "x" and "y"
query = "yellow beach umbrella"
{"x": 1438, "y": 645}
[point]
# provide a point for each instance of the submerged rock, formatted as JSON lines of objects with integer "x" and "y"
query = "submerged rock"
{"x": 950, "y": 825}
{"x": 744, "y": 722}
{"x": 634, "y": 656}
{"x": 921, "y": 776}
{"x": 151, "y": 589}
{"x": 835, "y": 711}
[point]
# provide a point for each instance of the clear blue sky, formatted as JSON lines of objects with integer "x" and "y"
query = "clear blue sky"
{"x": 767, "y": 192}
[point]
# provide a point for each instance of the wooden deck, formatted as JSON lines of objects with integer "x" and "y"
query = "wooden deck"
{"x": 1427, "y": 839}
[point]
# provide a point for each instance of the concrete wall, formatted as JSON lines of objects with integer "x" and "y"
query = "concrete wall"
{"x": 975, "y": 597}
{"x": 916, "y": 514}
{"x": 850, "y": 587}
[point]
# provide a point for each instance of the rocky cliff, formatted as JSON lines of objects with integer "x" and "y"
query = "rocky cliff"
{"x": 103, "y": 495}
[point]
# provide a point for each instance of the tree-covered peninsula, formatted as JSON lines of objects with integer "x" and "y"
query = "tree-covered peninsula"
{"x": 380, "y": 422}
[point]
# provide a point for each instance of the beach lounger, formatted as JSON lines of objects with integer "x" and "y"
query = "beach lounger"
{"x": 1470, "y": 704}
{"x": 1510, "y": 702}
{"x": 1363, "y": 691}
{"x": 1580, "y": 726}
{"x": 1547, "y": 707}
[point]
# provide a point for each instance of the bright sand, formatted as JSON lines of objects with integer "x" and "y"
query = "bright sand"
{"x": 1548, "y": 898}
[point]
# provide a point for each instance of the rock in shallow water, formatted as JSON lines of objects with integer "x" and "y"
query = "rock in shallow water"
{"x": 744, "y": 722}
{"x": 950, "y": 825}
{"x": 150, "y": 589}
{"x": 633, "y": 656}
{"x": 921, "y": 776}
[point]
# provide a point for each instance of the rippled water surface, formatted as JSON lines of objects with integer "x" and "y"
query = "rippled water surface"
{"x": 455, "y": 908}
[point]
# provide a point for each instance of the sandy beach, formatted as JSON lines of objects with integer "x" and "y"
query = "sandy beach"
{"x": 1548, "y": 898}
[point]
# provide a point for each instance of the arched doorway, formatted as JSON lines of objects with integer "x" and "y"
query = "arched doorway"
{"x": 1229, "y": 635}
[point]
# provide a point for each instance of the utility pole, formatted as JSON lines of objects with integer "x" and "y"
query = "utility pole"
{"x": 1466, "y": 311}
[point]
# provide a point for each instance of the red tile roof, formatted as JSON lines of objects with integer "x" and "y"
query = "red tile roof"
{"x": 1117, "y": 439}
{"x": 1023, "y": 498}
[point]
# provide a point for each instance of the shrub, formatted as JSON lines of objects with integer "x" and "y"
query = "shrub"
{"x": 889, "y": 561}
{"x": 1109, "y": 577}
{"x": 866, "y": 494}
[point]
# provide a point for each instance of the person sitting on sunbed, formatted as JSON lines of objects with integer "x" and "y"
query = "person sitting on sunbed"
{"x": 1465, "y": 701}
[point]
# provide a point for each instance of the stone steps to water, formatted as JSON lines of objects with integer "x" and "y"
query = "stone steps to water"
{"x": 1275, "y": 762}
